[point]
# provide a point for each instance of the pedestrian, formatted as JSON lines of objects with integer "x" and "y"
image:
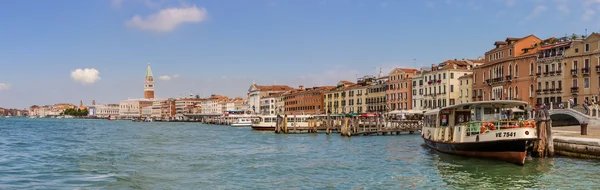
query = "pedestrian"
{"x": 571, "y": 102}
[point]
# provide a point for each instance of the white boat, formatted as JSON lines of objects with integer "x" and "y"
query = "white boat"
{"x": 487, "y": 129}
{"x": 242, "y": 122}
{"x": 268, "y": 122}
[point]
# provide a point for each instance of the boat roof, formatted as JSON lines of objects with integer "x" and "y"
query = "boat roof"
{"x": 488, "y": 104}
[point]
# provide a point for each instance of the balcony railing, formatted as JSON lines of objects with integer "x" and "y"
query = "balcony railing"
{"x": 538, "y": 91}
{"x": 585, "y": 71}
{"x": 558, "y": 72}
{"x": 598, "y": 69}
{"x": 546, "y": 73}
{"x": 574, "y": 90}
{"x": 574, "y": 72}
{"x": 508, "y": 78}
{"x": 538, "y": 74}
{"x": 552, "y": 73}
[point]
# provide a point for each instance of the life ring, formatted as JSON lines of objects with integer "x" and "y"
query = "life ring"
{"x": 491, "y": 126}
{"x": 482, "y": 129}
{"x": 532, "y": 124}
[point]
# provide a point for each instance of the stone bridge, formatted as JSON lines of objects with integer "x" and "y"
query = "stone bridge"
{"x": 574, "y": 115}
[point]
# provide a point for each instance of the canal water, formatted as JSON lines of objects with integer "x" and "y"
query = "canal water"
{"x": 101, "y": 154}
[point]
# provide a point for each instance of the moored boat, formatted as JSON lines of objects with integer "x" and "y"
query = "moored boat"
{"x": 242, "y": 122}
{"x": 269, "y": 122}
{"x": 487, "y": 129}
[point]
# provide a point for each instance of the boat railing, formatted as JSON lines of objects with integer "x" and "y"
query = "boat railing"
{"x": 474, "y": 128}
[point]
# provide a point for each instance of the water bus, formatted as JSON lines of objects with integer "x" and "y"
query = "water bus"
{"x": 487, "y": 129}
{"x": 268, "y": 122}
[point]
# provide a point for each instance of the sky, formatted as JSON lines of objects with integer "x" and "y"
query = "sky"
{"x": 71, "y": 50}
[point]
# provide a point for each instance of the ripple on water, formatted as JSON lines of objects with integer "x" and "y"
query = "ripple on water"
{"x": 100, "y": 154}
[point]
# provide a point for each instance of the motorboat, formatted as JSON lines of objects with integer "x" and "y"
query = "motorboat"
{"x": 486, "y": 129}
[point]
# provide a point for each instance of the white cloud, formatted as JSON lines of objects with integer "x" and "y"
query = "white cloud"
{"x": 165, "y": 77}
{"x": 537, "y": 11}
{"x": 4, "y": 86}
{"x": 148, "y": 3}
{"x": 116, "y": 3}
{"x": 168, "y": 19}
{"x": 85, "y": 76}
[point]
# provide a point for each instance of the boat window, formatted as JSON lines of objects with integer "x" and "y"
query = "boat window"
{"x": 444, "y": 120}
{"x": 462, "y": 117}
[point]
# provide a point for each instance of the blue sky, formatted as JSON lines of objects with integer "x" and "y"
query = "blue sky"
{"x": 221, "y": 46}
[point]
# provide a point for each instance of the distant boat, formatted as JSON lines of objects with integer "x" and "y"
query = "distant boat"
{"x": 110, "y": 117}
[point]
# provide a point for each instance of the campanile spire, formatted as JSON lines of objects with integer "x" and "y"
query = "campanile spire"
{"x": 149, "y": 84}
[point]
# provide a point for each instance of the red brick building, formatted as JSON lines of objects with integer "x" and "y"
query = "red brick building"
{"x": 305, "y": 100}
{"x": 399, "y": 92}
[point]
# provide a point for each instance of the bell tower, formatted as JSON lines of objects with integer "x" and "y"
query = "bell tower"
{"x": 149, "y": 84}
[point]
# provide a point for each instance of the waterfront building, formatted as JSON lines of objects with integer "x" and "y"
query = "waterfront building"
{"x": 305, "y": 100}
{"x": 212, "y": 105}
{"x": 581, "y": 83}
{"x": 256, "y": 92}
{"x": 400, "y": 89}
{"x": 167, "y": 109}
{"x": 147, "y": 111}
{"x": 465, "y": 87}
{"x": 103, "y": 111}
{"x": 418, "y": 89}
{"x": 337, "y": 100}
{"x": 156, "y": 109}
{"x": 508, "y": 72}
{"x": 376, "y": 99}
{"x": 132, "y": 108}
{"x": 268, "y": 104}
{"x": 442, "y": 81}
{"x": 549, "y": 70}
{"x": 149, "y": 84}
{"x": 186, "y": 103}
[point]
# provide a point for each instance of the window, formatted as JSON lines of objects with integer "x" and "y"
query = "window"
{"x": 451, "y": 88}
{"x": 451, "y": 75}
{"x": 530, "y": 69}
{"x": 444, "y": 75}
{"x": 576, "y": 50}
{"x": 586, "y": 82}
{"x": 516, "y": 92}
{"x": 574, "y": 82}
{"x": 461, "y": 93}
{"x": 575, "y": 65}
{"x": 509, "y": 52}
{"x": 531, "y": 90}
{"x": 586, "y": 63}
{"x": 587, "y": 47}
{"x": 516, "y": 70}
{"x": 559, "y": 85}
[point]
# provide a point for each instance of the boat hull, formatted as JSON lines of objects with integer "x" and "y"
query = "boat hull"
{"x": 263, "y": 128}
{"x": 241, "y": 124}
{"x": 513, "y": 150}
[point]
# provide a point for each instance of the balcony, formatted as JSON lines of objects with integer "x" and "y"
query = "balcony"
{"x": 585, "y": 71}
{"x": 538, "y": 74}
{"x": 574, "y": 72}
{"x": 558, "y": 90}
{"x": 547, "y": 91}
{"x": 546, "y": 74}
{"x": 552, "y": 73}
{"x": 574, "y": 90}
{"x": 487, "y": 81}
{"x": 538, "y": 91}
{"x": 559, "y": 71}
{"x": 598, "y": 69}
{"x": 508, "y": 78}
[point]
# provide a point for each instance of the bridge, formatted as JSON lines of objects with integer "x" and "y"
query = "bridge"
{"x": 574, "y": 115}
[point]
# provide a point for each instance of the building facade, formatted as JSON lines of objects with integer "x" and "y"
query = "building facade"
{"x": 338, "y": 99}
{"x": 582, "y": 82}
{"x": 213, "y": 105}
{"x": 256, "y": 92}
{"x": 104, "y": 111}
{"x": 508, "y": 72}
{"x": 182, "y": 106}
{"x": 418, "y": 89}
{"x": 132, "y": 108}
{"x": 376, "y": 98}
{"x": 305, "y": 100}
{"x": 400, "y": 89}
{"x": 441, "y": 86}
{"x": 549, "y": 70}
{"x": 465, "y": 87}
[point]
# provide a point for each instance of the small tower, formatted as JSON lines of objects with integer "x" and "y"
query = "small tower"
{"x": 149, "y": 84}
{"x": 93, "y": 102}
{"x": 80, "y": 103}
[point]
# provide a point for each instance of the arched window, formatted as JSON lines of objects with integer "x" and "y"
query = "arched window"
{"x": 509, "y": 93}
{"x": 531, "y": 90}
{"x": 510, "y": 70}
{"x": 516, "y": 92}
{"x": 531, "y": 68}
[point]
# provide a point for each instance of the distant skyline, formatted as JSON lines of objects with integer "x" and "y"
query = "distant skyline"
{"x": 71, "y": 50}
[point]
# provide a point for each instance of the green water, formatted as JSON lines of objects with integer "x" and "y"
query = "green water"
{"x": 101, "y": 154}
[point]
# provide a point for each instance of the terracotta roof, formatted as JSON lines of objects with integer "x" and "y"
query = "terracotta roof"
{"x": 476, "y": 60}
{"x": 466, "y": 76}
{"x": 274, "y": 88}
{"x": 513, "y": 39}
{"x": 346, "y": 82}
{"x": 550, "y": 46}
{"x": 500, "y": 43}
